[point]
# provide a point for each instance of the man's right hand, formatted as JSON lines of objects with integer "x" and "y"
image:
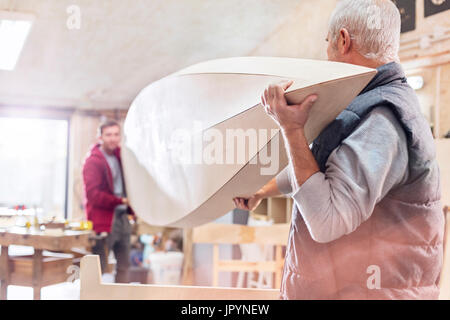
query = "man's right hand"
{"x": 249, "y": 204}
{"x": 125, "y": 201}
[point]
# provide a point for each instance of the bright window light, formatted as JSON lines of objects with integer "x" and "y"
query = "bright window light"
{"x": 416, "y": 82}
{"x": 33, "y": 164}
{"x": 14, "y": 29}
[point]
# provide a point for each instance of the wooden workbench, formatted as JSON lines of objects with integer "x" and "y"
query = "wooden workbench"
{"x": 37, "y": 270}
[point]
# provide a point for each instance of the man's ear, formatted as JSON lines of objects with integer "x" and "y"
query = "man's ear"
{"x": 345, "y": 41}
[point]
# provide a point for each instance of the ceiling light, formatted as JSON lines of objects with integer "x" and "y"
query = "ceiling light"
{"x": 14, "y": 29}
{"x": 416, "y": 82}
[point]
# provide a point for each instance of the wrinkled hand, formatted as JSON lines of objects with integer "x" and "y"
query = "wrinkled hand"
{"x": 288, "y": 117}
{"x": 248, "y": 204}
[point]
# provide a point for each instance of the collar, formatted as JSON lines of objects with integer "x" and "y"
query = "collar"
{"x": 386, "y": 73}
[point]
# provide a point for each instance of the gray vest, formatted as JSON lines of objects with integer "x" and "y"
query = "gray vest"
{"x": 403, "y": 238}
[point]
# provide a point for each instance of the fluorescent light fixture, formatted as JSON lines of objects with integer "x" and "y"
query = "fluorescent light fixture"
{"x": 416, "y": 82}
{"x": 14, "y": 29}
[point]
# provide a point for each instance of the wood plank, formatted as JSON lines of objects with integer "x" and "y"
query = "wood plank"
{"x": 20, "y": 279}
{"x": 276, "y": 234}
{"x": 249, "y": 266}
{"x": 414, "y": 63}
{"x": 215, "y": 265}
{"x": 39, "y": 240}
{"x": 38, "y": 270}
{"x": 37, "y": 274}
{"x": 91, "y": 288}
{"x": 52, "y": 273}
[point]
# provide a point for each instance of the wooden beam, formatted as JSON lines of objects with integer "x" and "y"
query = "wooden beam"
{"x": 411, "y": 64}
{"x": 216, "y": 233}
{"x": 35, "y": 112}
{"x": 40, "y": 240}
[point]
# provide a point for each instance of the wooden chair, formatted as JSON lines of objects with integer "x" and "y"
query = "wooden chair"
{"x": 444, "y": 282}
{"x": 216, "y": 234}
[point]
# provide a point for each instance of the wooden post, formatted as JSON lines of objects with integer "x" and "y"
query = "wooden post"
{"x": 289, "y": 206}
{"x": 188, "y": 265}
{"x": 4, "y": 272}
{"x": 91, "y": 288}
{"x": 437, "y": 107}
{"x": 37, "y": 274}
{"x": 279, "y": 264}
{"x": 215, "y": 265}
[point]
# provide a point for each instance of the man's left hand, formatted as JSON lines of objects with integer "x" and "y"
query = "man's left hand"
{"x": 288, "y": 117}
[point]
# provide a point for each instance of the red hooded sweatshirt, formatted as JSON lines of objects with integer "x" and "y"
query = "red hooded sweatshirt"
{"x": 100, "y": 200}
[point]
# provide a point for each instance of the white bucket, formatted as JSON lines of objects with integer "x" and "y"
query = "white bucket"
{"x": 166, "y": 267}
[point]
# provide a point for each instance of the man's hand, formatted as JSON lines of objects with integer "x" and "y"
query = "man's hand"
{"x": 249, "y": 204}
{"x": 288, "y": 117}
{"x": 125, "y": 201}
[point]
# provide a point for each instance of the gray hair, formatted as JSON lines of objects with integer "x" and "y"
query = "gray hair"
{"x": 374, "y": 25}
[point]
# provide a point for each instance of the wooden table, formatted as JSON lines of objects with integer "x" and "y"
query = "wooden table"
{"x": 37, "y": 270}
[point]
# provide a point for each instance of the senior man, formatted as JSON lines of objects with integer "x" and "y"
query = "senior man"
{"x": 367, "y": 220}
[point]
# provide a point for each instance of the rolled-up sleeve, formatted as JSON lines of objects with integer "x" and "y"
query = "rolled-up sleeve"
{"x": 359, "y": 173}
{"x": 283, "y": 179}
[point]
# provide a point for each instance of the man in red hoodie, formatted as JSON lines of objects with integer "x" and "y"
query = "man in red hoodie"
{"x": 105, "y": 199}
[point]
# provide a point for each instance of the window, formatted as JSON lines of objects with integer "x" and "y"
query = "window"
{"x": 33, "y": 164}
